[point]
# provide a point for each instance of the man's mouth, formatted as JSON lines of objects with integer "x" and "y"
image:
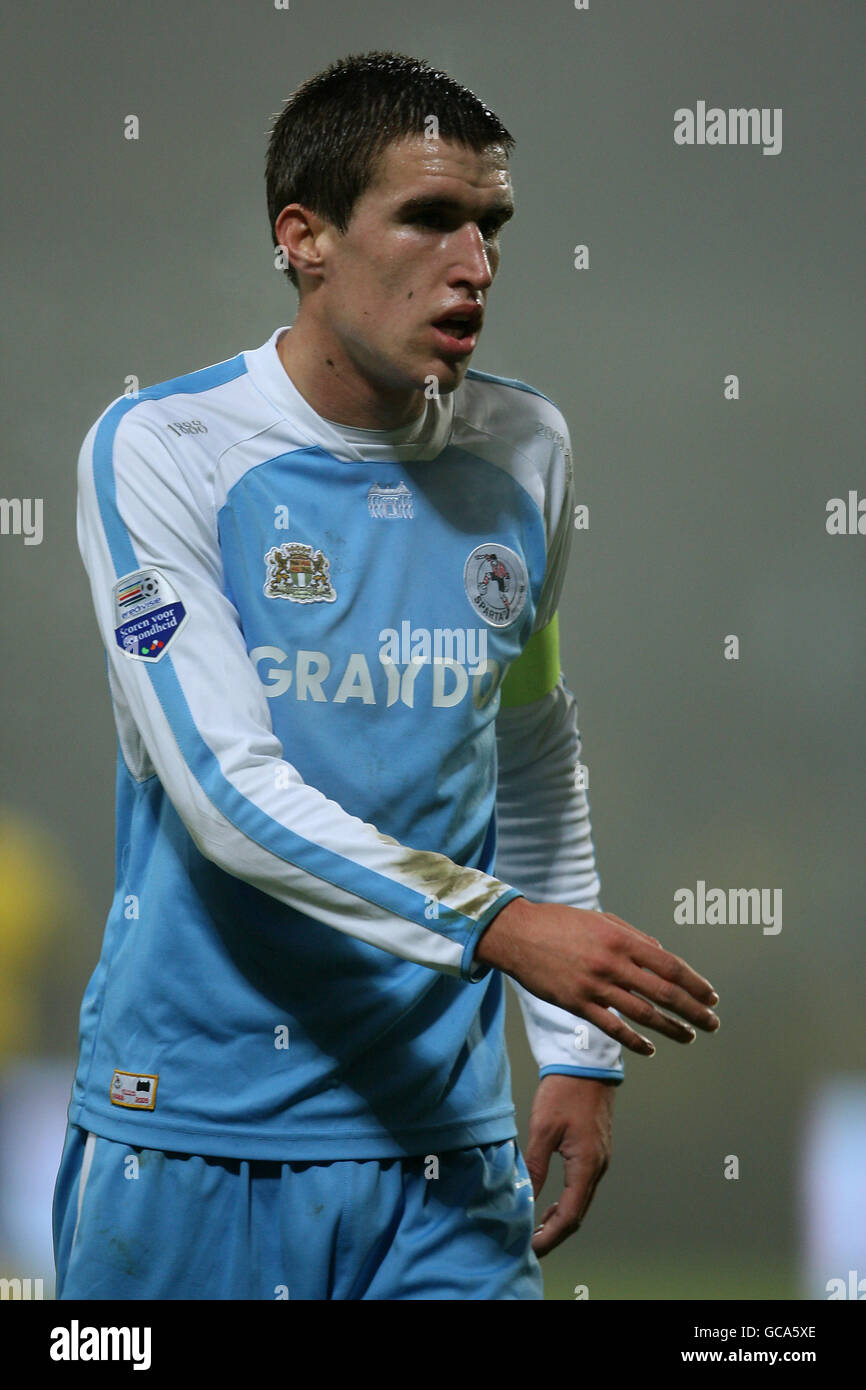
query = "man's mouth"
{"x": 458, "y": 332}
{"x": 457, "y": 328}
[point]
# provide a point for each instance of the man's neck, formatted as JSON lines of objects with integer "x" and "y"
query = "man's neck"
{"x": 330, "y": 383}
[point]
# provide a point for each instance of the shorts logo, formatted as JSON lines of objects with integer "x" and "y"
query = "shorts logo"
{"x": 298, "y": 573}
{"x": 496, "y": 583}
{"x": 133, "y": 1091}
{"x": 147, "y": 614}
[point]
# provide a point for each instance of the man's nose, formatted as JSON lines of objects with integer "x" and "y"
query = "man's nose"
{"x": 474, "y": 259}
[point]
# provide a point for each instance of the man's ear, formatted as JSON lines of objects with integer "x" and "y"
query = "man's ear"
{"x": 298, "y": 230}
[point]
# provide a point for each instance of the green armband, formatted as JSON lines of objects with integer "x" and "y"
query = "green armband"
{"x": 536, "y": 670}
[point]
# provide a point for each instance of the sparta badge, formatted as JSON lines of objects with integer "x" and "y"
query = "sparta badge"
{"x": 496, "y": 583}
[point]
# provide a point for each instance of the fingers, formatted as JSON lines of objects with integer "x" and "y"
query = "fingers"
{"x": 641, "y": 1011}
{"x": 672, "y": 997}
{"x": 537, "y": 1159}
{"x": 565, "y": 1216}
{"x": 648, "y": 1016}
{"x": 684, "y": 985}
{"x": 559, "y": 1222}
{"x": 616, "y": 1028}
{"x": 546, "y": 1217}
{"x": 672, "y": 968}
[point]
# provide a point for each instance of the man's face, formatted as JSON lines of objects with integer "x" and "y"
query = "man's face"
{"x": 422, "y": 242}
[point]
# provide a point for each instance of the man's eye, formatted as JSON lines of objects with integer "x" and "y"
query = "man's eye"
{"x": 441, "y": 220}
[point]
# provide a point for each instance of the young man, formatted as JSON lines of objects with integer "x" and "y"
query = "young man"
{"x": 326, "y": 573}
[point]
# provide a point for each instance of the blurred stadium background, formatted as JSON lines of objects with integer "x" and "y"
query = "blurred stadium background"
{"x": 707, "y": 517}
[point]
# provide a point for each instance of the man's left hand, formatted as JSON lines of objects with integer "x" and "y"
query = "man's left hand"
{"x": 573, "y": 1116}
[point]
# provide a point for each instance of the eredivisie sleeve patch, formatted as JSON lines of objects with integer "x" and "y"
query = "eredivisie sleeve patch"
{"x": 147, "y": 614}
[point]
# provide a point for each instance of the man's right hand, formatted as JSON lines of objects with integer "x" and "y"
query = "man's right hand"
{"x": 591, "y": 963}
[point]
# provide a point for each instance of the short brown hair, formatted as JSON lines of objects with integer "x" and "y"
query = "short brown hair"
{"x": 326, "y": 141}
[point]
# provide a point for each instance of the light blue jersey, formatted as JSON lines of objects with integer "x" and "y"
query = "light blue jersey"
{"x": 307, "y": 628}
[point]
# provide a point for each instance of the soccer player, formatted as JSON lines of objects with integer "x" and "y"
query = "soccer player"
{"x": 346, "y": 801}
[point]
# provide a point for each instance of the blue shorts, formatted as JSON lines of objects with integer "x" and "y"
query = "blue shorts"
{"x": 134, "y": 1223}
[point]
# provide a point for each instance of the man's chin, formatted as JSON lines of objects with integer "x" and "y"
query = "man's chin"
{"x": 448, "y": 371}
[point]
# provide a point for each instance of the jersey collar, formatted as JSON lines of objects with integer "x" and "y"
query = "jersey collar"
{"x": 270, "y": 376}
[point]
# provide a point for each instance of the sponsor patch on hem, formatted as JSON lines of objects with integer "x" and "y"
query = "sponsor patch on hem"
{"x": 134, "y": 1091}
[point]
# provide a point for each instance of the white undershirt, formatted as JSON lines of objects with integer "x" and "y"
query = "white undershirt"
{"x": 412, "y": 433}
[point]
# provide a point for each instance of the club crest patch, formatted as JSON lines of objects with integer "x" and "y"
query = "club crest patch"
{"x": 496, "y": 583}
{"x": 147, "y": 614}
{"x": 299, "y": 573}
